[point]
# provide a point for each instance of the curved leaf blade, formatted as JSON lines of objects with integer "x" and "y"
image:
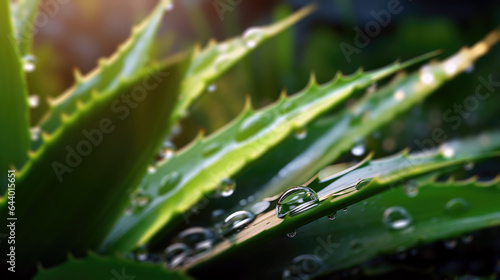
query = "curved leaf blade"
{"x": 181, "y": 181}
{"x": 99, "y": 268}
{"x": 124, "y": 63}
{"x": 14, "y": 109}
{"x": 336, "y": 193}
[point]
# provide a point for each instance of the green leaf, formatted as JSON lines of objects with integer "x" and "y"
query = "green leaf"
{"x": 81, "y": 178}
{"x": 343, "y": 189}
{"x": 99, "y": 268}
{"x": 14, "y": 110}
{"x": 439, "y": 211}
{"x": 328, "y": 139}
{"x": 111, "y": 73}
{"x": 210, "y": 63}
{"x": 24, "y": 12}
{"x": 182, "y": 180}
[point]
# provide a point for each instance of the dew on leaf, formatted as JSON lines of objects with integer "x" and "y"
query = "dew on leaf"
{"x": 296, "y": 200}
{"x": 236, "y": 222}
{"x": 396, "y": 218}
{"x": 29, "y": 63}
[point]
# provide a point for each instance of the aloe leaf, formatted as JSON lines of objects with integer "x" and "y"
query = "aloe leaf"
{"x": 344, "y": 189}
{"x": 182, "y": 180}
{"x": 124, "y": 63}
{"x": 214, "y": 60}
{"x": 436, "y": 211}
{"x": 100, "y": 268}
{"x": 328, "y": 139}
{"x": 14, "y": 109}
{"x": 88, "y": 167}
{"x": 24, "y": 12}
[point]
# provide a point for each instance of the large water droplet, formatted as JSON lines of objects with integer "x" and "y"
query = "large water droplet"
{"x": 211, "y": 88}
{"x": 252, "y": 37}
{"x": 332, "y": 217}
{"x": 450, "y": 244}
{"x": 34, "y": 101}
{"x": 194, "y": 235}
{"x": 396, "y": 218}
{"x": 175, "y": 254}
{"x": 226, "y": 187}
{"x": 456, "y": 206}
{"x": 411, "y": 188}
{"x": 296, "y": 200}
{"x": 151, "y": 169}
{"x": 140, "y": 199}
{"x": 252, "y": 125}
{"x": 260, "y": 207}
{"x": 291, "y": 234}
{"x": 303, "y": 267}
{"x": 358, "y": 150}
{"x": 29, "y": 63}
{"x": 300, "y": 133}
{"x": 236, "y": 222}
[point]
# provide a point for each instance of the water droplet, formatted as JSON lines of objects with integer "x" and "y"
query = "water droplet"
{"x": 35, "y": 133}
{"x": 332, "y": 217}
{"x": 141, "y": 254}
{"x": 411, "y": 188}
{"x": 194, "y": 235}
{"x": 170, "y": 6}
{"x": 426, "y": 76}
{"x": 355, "y": 245}
{"x": 469, "y": 166}
{"x": 168, "y": 182}
{"x": 203, "y": 247}
{"x": 362, "y": 183}
{"x": 456, "y": 206}
{"x": 296, "y": 200}
{"x": 300, "y": 133}
{"x": 260, "y": 207}
{"x": 211, "y": 88}
{"x": 291, "y": 234}
{"x": 211, "y": 149}
{"x": 396, "y": 218}
{"x": 467, "y": 239}
{"x": 236, "y": 222}
{"x": 252, "y": 37}
{"x": 129, "y": 210}
{"x": 34, "y": 101}
{"x": 243, "y": 202}
{"x": 303, "y": 267}
{"x": 399, "y": 95}
{"x": 140, "y": 199}
{"x": 345, "y": 209}
{"x": 252, "y": 125}
{"x": 175, "y": 254}
{"x": 151, "y": 169}
{"x": 29, "y": 63}
{"x": 358, "y": 150}
{"x": 447, "y": 151}
{"x": 226, "y": 187}
{"x": 450, "y": 244}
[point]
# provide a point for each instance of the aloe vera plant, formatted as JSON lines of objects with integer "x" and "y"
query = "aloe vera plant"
{"x": 95, "y": 191}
